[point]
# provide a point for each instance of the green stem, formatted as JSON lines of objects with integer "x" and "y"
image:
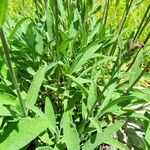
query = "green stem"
{"x": 147, "y": 38}
{"x": 12, "y": 73}
{"x": 106, "y": 11}
{"x": 123, "y": 20}
{"x": 139, "y": 77}
{"x": 56, "y": 22}
{"x": 142, "y": 21}
{"x": 144, "y": 26}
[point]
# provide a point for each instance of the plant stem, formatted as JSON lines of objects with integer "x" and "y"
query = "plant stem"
{"x": 144, "y": 26}
{"x": 142, "y": 21}
{"x": 106, "y": 11}
{"x": 12, "y": 73}
{"x": 56, "y": 22}
{"x": 123, "y": 20}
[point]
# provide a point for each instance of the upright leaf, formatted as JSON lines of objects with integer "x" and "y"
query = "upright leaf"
{"x": 71, "y": 137}
{"x": 35, "y": 86}
{"x": 92, "y": 96}
{"x": 49, "y": 112}
{"x": 136, "y": 68}
{"x": 49, "y": 23}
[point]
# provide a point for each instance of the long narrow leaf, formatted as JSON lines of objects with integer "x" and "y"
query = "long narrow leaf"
{"x": 85, "y": 57}
{"x": 71, "y": 136}
{"x": 49, "y": 112}
{"x": 35, "y": 86}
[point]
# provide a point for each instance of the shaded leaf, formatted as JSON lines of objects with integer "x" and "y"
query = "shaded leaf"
{"x": 77, "y": 82}
{"x": 18, "y": 134}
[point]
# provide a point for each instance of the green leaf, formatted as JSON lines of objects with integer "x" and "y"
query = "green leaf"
{"x": 108, "y": 95}
{"x": 62, "y": 10}
{"x": 35, "y": 86}
{"x": 7, "y": 99}
{"x": 39, "y": 43}
{"x": 3, "y": 11}
{"x": 117, "y": 3}
{"x": 18, "y": 134}
{"x": 96, "y": 123}
{"x": 77, "y": 82}
{"x": 49, "y": 112}
{"x": 85, "y": 57}
{"x": 49, "y": 23}
{"x": 4, "y": 111}
{"x": 53, "y": 64}
{"x": 116, "y": 144}
{"x": 92, "y": 95}
{"x": 5, "y": 88}
{"x": 104, "y": 136}
{"x": 44, "y": 148}
{"x": 115, "y": 102}
{"x": 120, "y": 42}
{"x": 138, "y": 2}
{"x": 18, "y": 25}
{"x": 94, "y": 32}
{"x": 147, "y": 135}
{"x": 141, "y": 94}
{"x": 64, "y": 45}
{"x": 71, "y": 137}
{"x": 136, "y": 68}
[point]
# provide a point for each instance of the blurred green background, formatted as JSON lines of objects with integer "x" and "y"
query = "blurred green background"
{"x": 25, "y": 7}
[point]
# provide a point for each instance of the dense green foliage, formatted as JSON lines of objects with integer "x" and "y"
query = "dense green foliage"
{"x": 71, "y": 78}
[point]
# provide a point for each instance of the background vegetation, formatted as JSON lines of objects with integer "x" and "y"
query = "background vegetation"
{"x": 74, "y": 74}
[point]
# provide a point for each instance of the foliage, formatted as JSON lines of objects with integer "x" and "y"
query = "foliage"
{"x": 70, "y": 79}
